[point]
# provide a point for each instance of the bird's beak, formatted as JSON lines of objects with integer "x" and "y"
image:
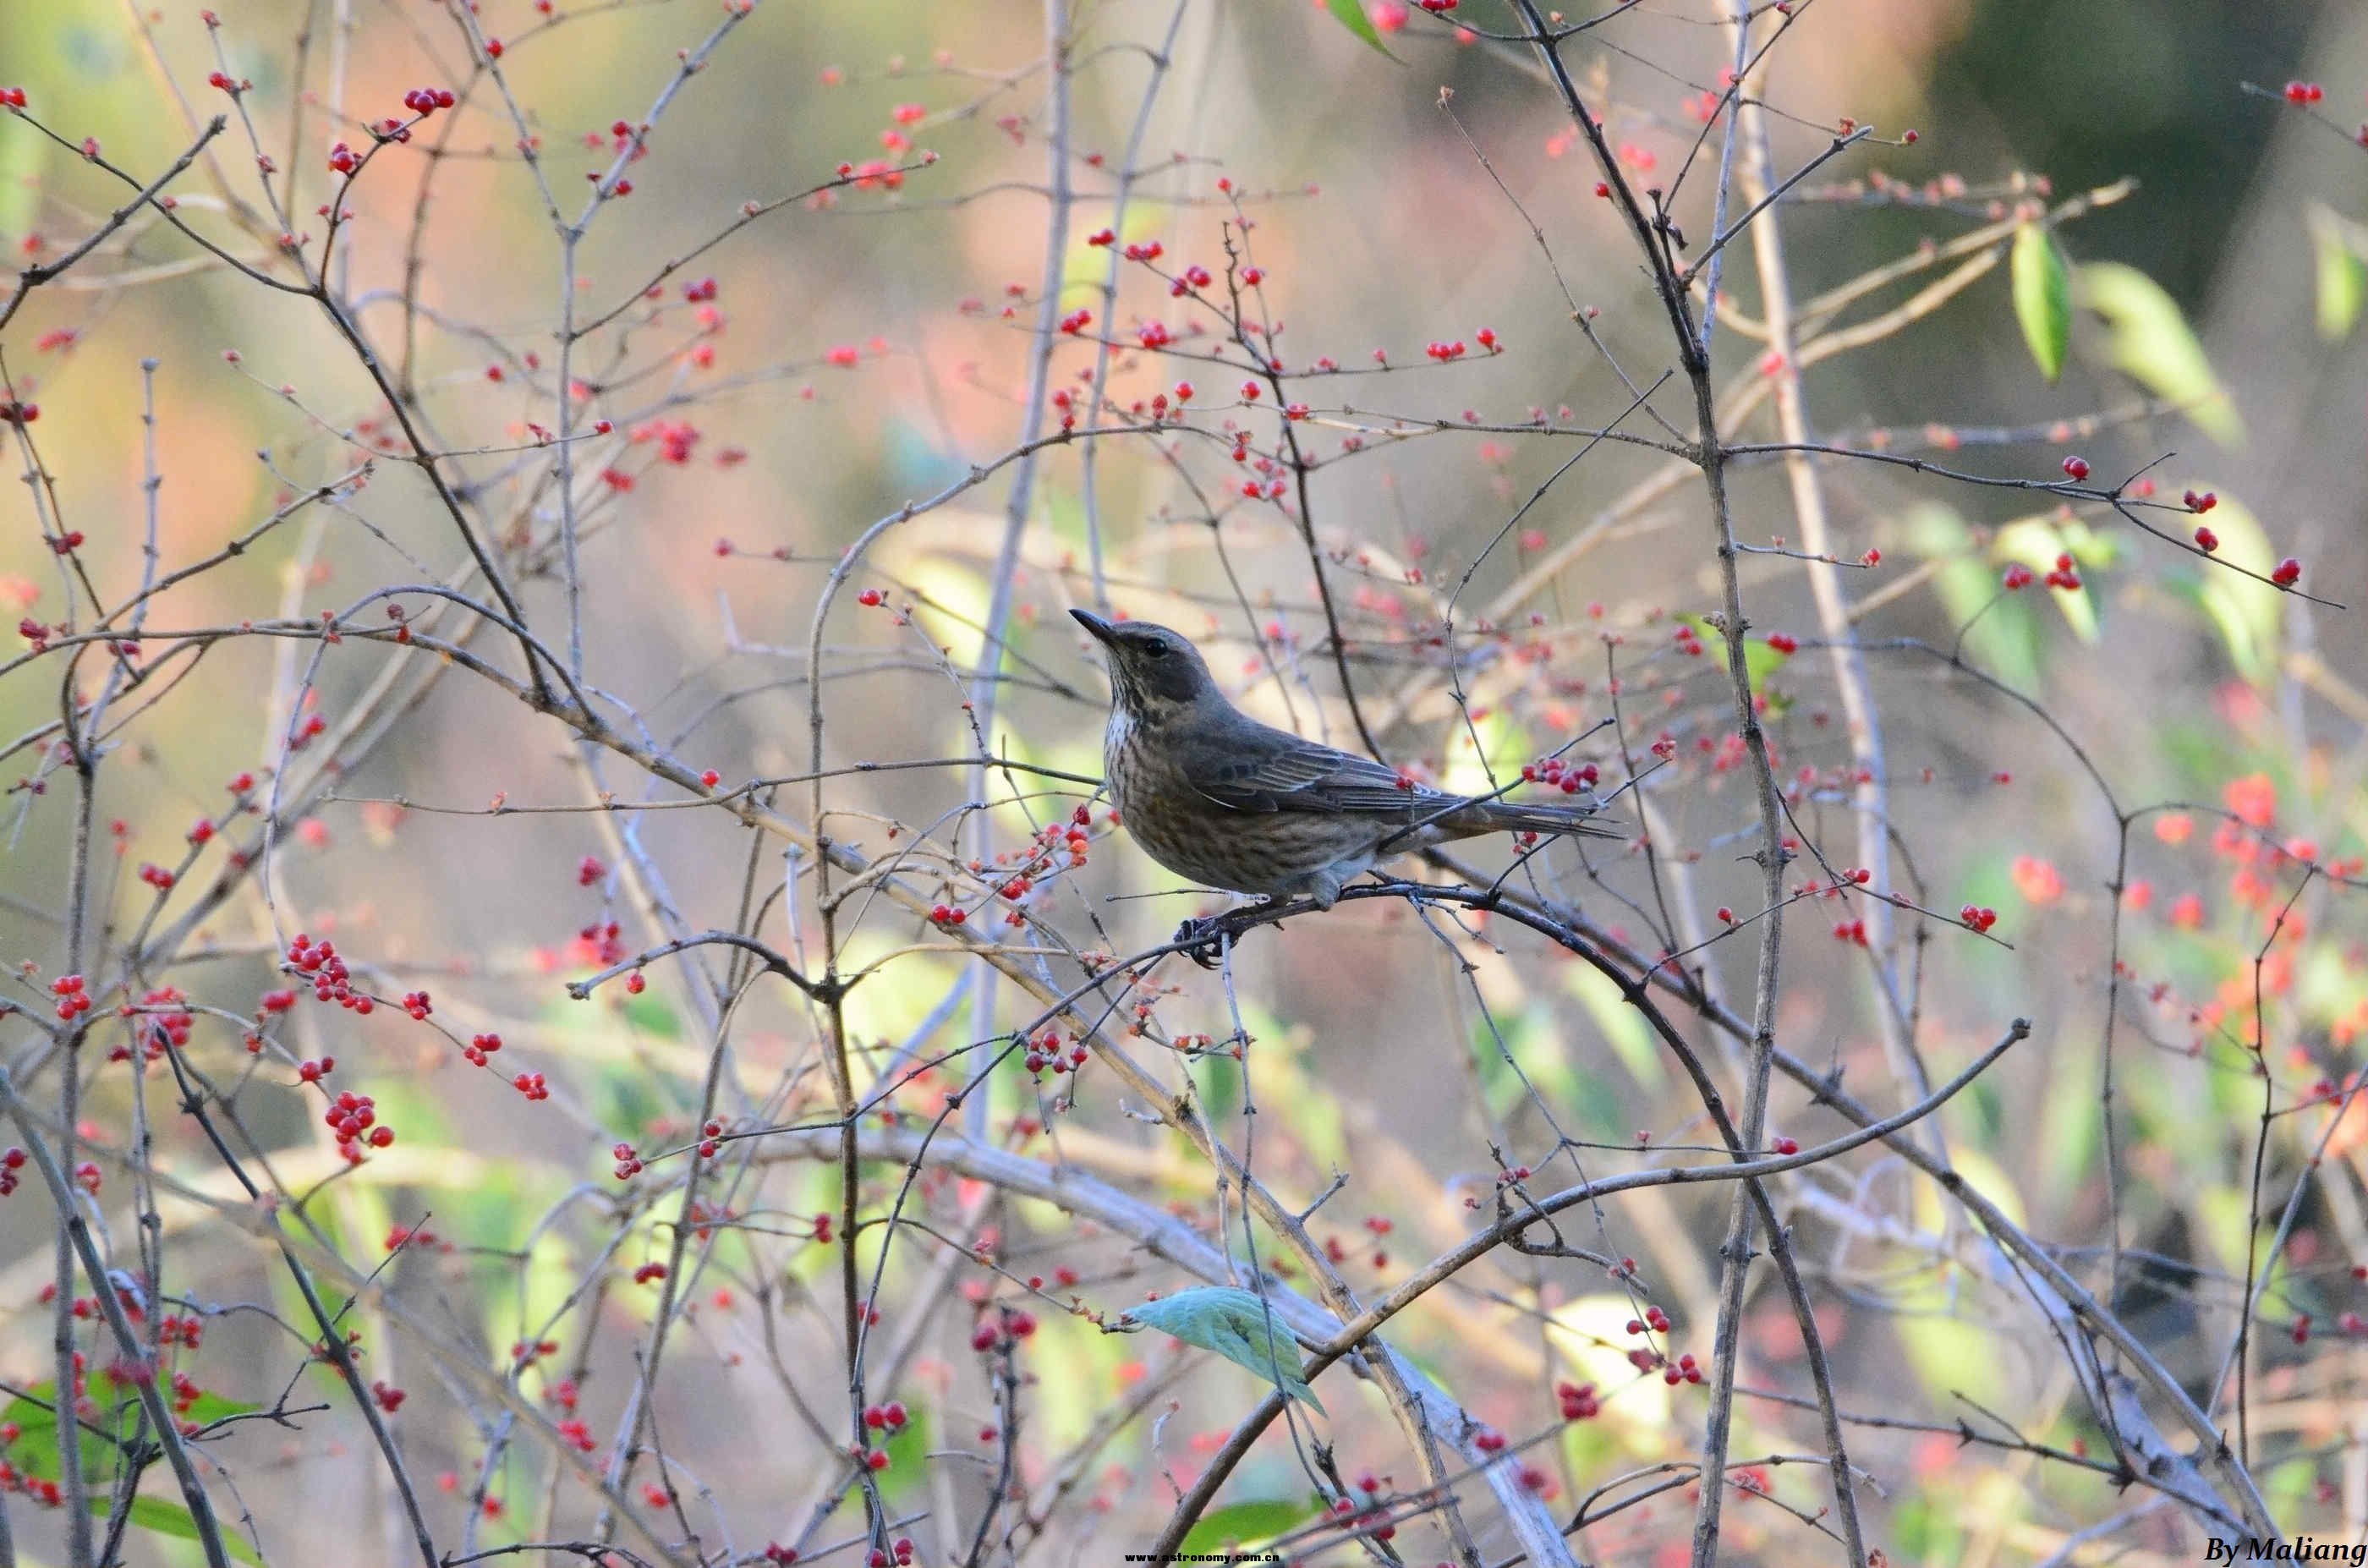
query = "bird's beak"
{"x": 1104, "y": 632}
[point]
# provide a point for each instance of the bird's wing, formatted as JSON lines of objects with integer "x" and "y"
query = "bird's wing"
{"x": 1263, "y": 769}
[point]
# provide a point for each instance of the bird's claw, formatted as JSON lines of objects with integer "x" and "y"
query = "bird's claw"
{"x": 1202, "y": 938}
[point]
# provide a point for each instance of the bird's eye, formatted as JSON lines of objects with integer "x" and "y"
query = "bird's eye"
{"x": 1155, "y": 650}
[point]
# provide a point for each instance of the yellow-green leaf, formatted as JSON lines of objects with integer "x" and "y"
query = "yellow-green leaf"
{"x": 2043, "y": 298}
{"x": 2342, "y": 275}
{"x": 2152, "y": 343}
{"x": 171, "y": 1518}
{"x": 1253, "y": 1523}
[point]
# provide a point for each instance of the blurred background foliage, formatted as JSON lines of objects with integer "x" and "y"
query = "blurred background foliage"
{"x": 864, "y": 360}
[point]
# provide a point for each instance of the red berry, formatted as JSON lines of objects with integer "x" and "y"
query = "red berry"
{"x": 2076, "y": 468}
{"x": 2288, "y": 573}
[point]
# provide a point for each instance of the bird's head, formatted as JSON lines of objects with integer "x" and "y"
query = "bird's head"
{"x": 1154, "y": 672}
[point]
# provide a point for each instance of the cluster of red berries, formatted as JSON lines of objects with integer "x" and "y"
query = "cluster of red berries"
{"x": 481, "y": 1046}
{"x": 1371, "y": 1520}
{"x": 1654, "y": 1319}
{"x": 2066, "y": 576}
{"x": 12, "y": 97}
{"x": 710, "y": 1140}
{"x": 1000, "y": 1329}
{"x": 425, "y": 101}
{"x": 1191, "y": 278}
{"x": 531, "y": 1085}
{"x": 223, "y": 81}
{"x": 174, "y": 1329}
{"x": 899, "y": 1552}
{"x": 1445, "y": 351}
{"x": 169, "y": 1027}
{"x": 948, "y": 914}
{"x": 2200, "y": 500}
{"x": 775, "y": 1552}
{"x": 332, "y": 982}
{"x": 2076, "y": 468}
{"x": 1578, "y": 1401}
{"x": 1980, "y": 917}
{"x": 1047, "y": 1052}
{"x": 888, "y": 1417}
{"x": 417, "y": 1005}
{"x": 156, "y": 877}
{"x": 2304, "y": 92}
{"x": 649, "y": 1273}
{"x": 1784, "y": 643}
{"x": 2287, "y": 572}
{"x": 22, "y": 414}
{"x": 1570, "y": 777}
{"x": 354, "y": 1116}
{"x": 1076, "y": 322}
{"x": 12, "y": 1160}
{"x": 629, "y": 1164}
{"x": 72, "y": 1000}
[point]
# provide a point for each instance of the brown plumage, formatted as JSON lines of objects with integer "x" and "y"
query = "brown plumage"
{"x": 1212, "y": 794}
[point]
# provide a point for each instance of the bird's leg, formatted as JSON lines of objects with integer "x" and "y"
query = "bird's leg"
{"x": 1202, "y": 939}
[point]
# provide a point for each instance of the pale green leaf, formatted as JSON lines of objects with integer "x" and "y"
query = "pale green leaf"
{"x": 2247, "y": 614}
{"x": 2342, "y": 275}
{"x": 1350, "y": 13}
{"x": 171, "y": 1518}
{"x": 1234, "y": 1323}
{"x": 2043, "y": 298}
{"x": 1622, "y": 1025}
{"x": 2151, "y": 343}
{"x": 1250, "y": 1524}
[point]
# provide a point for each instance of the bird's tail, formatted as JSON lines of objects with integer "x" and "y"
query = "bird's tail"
{"x": 1511, "y": 816}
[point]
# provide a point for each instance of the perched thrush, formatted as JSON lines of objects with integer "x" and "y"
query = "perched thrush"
{"x": 1213, "y": 795}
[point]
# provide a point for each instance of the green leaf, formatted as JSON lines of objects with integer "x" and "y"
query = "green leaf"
{"x": 1350, "y": 13}
{"x": 1759, "y": 660}
{"x": 2152, "y": 343}
{"x": 2246, "y": 613}
{"x": 171, "y": 1518}
{"x": 1232, "y": 1322}
{"x": 35, "y": 1451}
{"x": 1622, "y": 1025}
{"x": 2342, "y": 275}
{"x": 2043, "y": 298}
{"x": 1253, "y": 1523}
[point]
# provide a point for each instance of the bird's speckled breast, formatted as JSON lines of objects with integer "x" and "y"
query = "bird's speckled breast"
{"x": 1252, "y": 852}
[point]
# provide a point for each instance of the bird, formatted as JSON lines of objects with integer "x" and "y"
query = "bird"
{"x": 1212, "y": 794}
